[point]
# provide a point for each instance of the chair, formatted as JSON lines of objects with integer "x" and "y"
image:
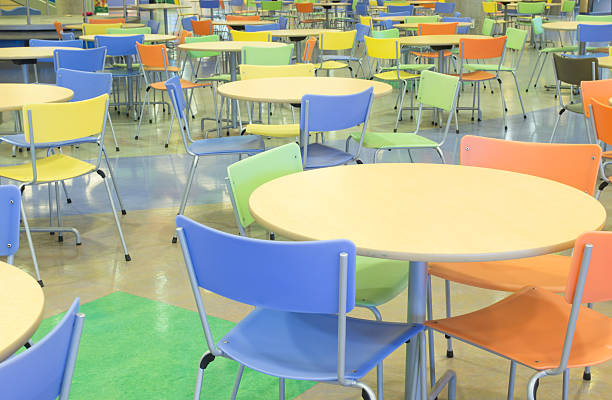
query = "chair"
{"x": 385, "y": 34}
{"x": 59, "y": 28}
{"x": 409, "y": 9}
{"x": 260, "y": 28}
{"x": 593, "y": 33}
{"x": 309, "y": 47}
{"x": 55, "y": 123}
{"x": 436, "y": 90}
{"x": 573, "y": 71}
{"x": 492, "y": 18}
{"x": 313, "y": 339}
{"x": 595, "y": 100}
{"x": 154, "y": 25}
{"x": 202, "y": 28}
{"x": 241, "y": 36}
{"x": 20, "y": 11}
{"x": 228, "y": 145}
{"x": 106, "y": 21}
{"x": 461, "y": 30}
{"x": 593, "y": 18}
{"x": 90, "y": 60}
{"x": 567, "y": 8}
{"x": 98, "y": 29}
{"x": 447, "y": 28}
{"x": 542, "y": 330}
{"x": 11, "y": 210}
{"x": 527, "y": 10}
{"x": 267, "y": 55}
{"x": 44, "y": 371}
{"x": 187, "y": 22}
{"x": 212, "y": 5}
{"x": 421, "y": 19}
{"x": 336, "y": 42}
{"x": 306, "y": 14}
{"x": 271, "y": 7}
{"x": 77, "y": 44}
{"x": 444, "y": 8}
{"x": 145, "y": 30}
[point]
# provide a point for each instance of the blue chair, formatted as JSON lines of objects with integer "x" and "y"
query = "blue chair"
{"x": 52, "y": 43}
{"x": 44, "y": 371}
{"x": 462, "y": 30}
{"x": 20, "y": 11}
{"x": 89, "y": 60}
{"x": 592, "y": 34}
{"x": 68, "y": 36}
{"x": 444, "y": 8}
{"x": 403, "y": 9}
{"x": 380, "y": 3}
{"x": 282, "y": 22}
{"x": 321, "y": 114}
{"x": 259, "y": 28}
{"x": 154, "y": 25}
{"x": 238, "y": 145}
{"x": 361, "y": 9}
{"x": 10, "y": 211}
{"x": 302, "y": 292}
{"x": 388, "y": 24}
{"x": 186, "y": 23}
{"x": 212, "y": 5}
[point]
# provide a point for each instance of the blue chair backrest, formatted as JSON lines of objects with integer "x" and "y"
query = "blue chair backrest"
{"x": 380, "y": 3}
{"x": 55, "y": 43}
{"x": 335, "y": 113}
{"x": 177, "y": 98}
{"x": 209, "y": 4}
{"x": 154, "y": 25}
{"x": 20, "y": 11}
{"x": 462, "y": 30}
{"x": 362, "y": 9}
{"x": 44, "y": 371}
{"x": 10, "y": 208}
{"x": 282, "y": 22}
{"x": 91, "y": 60}
{"x": 444, "y": 8}
{"x": 594, "y": 33}
{"x": 395, "y": 14}
{"x": 362, "y": 32}
{"x": 237, "y": 3}
{"x": 457, "y": 14}
{"x": 388, "y": 24}
{"x": 258, "y": 28}
{"x": 289, "y": 276}
{"x": 85, "y": 85}
{"x": 186, "y": 22}
{"x": 67, "y": 35}
{"x": 397, "y": 9}
{"x": 119, "y": 45}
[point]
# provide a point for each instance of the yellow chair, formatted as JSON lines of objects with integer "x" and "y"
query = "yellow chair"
{"x": 274, "y": 71}
{"x": 56, "y": 123}
{"x": 98, "y": 29}
{"x": 336, "y": 42}
{"x": 367, "y": 21}
{"x": 241, "y": 36}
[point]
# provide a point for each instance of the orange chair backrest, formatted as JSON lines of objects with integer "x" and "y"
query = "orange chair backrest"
{"x": 304, "y": 7}
{"x": 597, "y": 284}
{"x": 446, "y": 28}
{"x": 153, "y": 55}
{"x": 600, "y": 90}
{"x": 59, "y": 28}
{"x": 471, "y": 49}
{"x": 184, "y": 34}
{"x": 242, "y": 18}
{"x": 203, "y": 27}
{"x": 575, "y": 165}
{"x": 106, "y": 21}
{"x": 602, "y": 118}
{"x": 309, "y": 49}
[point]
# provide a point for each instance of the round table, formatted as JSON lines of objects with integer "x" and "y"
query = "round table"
{"x": 79, "y": 27}
{"x": 27, "y": 55}
{"x": 239, "y": 25}
{"x": 441, "y": 41}
{"x": 297, "y": 35}
{"x": 291, "y": 90}
{"x": 415, "y": 25}
{"x": 16, "y": 95}
{"x": 570, "y": 25}
{"x": 148, "y": 37}
{"x": 21, "y": 306}
{"x": 427, "y": 212}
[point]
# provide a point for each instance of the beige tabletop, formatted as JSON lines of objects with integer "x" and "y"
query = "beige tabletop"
{"x": 226, "y": 45}
{"x": 605, "y": 62}
{"x": 21, "y": 306}
{"x": 160, "y": 6}
{"x": 300, "y": 32}
{"x": 291, "y": 90}
{"x": 125, "y": 26}
{"x": 415, "y": 25}
{"x": 570, "y": 25}
{"x": 16, "y": 95}
{"x": 437, "y": 40}
{"x": 428, "y": 212}
{"x": 242, "y": 23}
{"x": 29, "y": 53}
{"x": 331, "y": 4}
{"x": 148, "y": 37}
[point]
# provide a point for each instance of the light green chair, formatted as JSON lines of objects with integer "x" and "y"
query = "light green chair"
{"x": 594, "y": 18}
{"x": 271, "y": 8}
{"x": 568, "y": 7}
{"x": 527, "y": 10}
{"x": 436, "y": 91}
{"x": 424, "y": 19}
{"x": 386, "y": 34}
{"x": 145, "y": 30}
{"x": 267, "y": 55}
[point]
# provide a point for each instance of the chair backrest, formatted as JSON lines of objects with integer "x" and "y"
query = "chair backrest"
{"x": 595, "y": 18}
{"x": 283, "y": 22}
{"x": 243, "y": 18}
{"x": 210, "y": 4}
{"x": 489, "y": 7}
{"x": 85, "y": 85}
{"x": 536, "y": 25}
{"x": 259, "y": 28}
{"x": 10, "y": 214}
{"x": 531, "y": 8}
{"x": 145, "y": 30}
{"x": 366, "y": 20}
{"x": 602, "y": 118}
{"x": 309, "y": 47}
{"x": 244, "y": 176}
{"x": 597, "y": 283}
{"x": 91, "y": 60}
{"x": 516, "y": 39}
{"x": 444, "y": 8}
{"x": 598, "y": 90}
{"x": 438, "y": 90}
{"x": 567, "y": 6}
{"x": 198, "y": 54}
{"x": 154, "y": 25}
{"x": 153, "y": 55}
{"x": 422, "y": 18}
{"x": 187, "y": 22}
{"x": 396, "y": 9}
{"x": 177, "y": 97}
{"x": 386, "y": 34}
{"x": 384, "y": 49}
{"x": 334, "y": 113}
{"x": 575, "y": 70}
{"x": 267, "y": 55}
{"x": 45, "y": 370}
{"x": 271, "y": 5}
{"x": 594, "y": 33}
{"x": 241, "y": 36}
{"x": 304, "y": 8}
{"x": 460, "y": 29}
{"x": 184, "y": 35}
{"x": 59, "y": 28}
{"x": 98, "y": 29}
{"x": 487, "y": 27}
{"x": 337, "y": 40}
{"x": 485, "y": 48}
{"x": 203, "y": 27}
{"x": 20, "y": 11}
{"x": 361, "y": 9}
{"x": 119, "y": 45}
{"x": 68, "y": 36}
{"x": 362, "y": 32}
{"x": 106, "y": 21}
{"x": 388, "y": 24}
{"x": 290, "y": 276}
{"x": 276, "y": 71}
{"x": 447, "y": 28}
{"x": 575, "y": 165}
{"x": 77, "y": 44}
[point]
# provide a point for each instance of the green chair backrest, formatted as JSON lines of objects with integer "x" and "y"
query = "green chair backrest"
{"x": 487, "y": 27}
{"x": 536, "y": 26}
{"x": 437, "y": 90}
{"x": 421, "y": 18}
{"x": 598, "y": 18}
{"x": 145, "y": 30}
{"x": 516, "y": 38}
{"x": 533, "y": 8}
{"x": 247, "y": 175}
{"x": 567, "y": 6}
{"x": 267, "y": 55}
{"x": 199, "y": 54}
{"x": 386, "y": 34}
{"x": 270, "y": 5}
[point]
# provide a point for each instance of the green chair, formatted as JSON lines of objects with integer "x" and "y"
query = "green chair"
{"x": 386, "y": 34}
{"x": 527, "y": 10}
{"x": 271, "y": 7}
{"x": 129, "y": 31}
{"x": 267, "y": 55}
{"x": 439, "y": 91}
{"x": 425, "y": 19}
{"x": 488, "y": 25}
{"x": 594, "y": 18}
{"x": 567, "y": 8}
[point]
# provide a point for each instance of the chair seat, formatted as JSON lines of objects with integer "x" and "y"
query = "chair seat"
{"x": 562, "y": 49}
{"x": 548, "y": 272}
{"x": 123, "y": 72}
{"x": 575, "y": 107}
{"x": 476, "y": 76}
{"x": 218, "y": 78}
{"x": 387, "y": 140}
{"x": 320, "y": 156}
{"x": 411, "y": 67}
{"x": 265, "y": 341}
{"x": 379, "y": 280}
{"x": 394, "y": 75}
{"x": 430, "y": 54}
{"x": 286, "y": 130}
{"x": 332, "y": 65}
{"x": 529, "y": 327}
{"x": 185, "y": 84}
{"x": 249, "y": 144}
{"x": 337, "y": 57}
{"x": 20, "y": 141}
{"x": 57, "y": 167}
{"x": 170, "y": 68}
{"x": 124, "y": 65}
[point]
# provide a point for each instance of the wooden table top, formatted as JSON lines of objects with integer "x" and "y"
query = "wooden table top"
{"x": 437, "y": 40}
{"x": 570, "y": 25}
{"x": 21, "y": 306}
{"x": 428, "y": 212}
{"x": 291, "y": 90}
{"x": 16, "y": 95}
{"x": 79, "y": 27}
{"x": 29, "y": 53}
{"x": 160, "y": 6}
{"x": 149, "y": 37}
{"x": 415, "y": 25}
{"x": 227, "y": 45}
{"x": 300, "y": 32}
{"x": 242, "y": 23}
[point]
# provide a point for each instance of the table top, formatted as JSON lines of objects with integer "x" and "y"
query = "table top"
{"x": 125, "y": 26}
{"x": 149, "y": 37}
{"x": 16, "y": 95}
{"x": 428, "y": 212}
{"x": 570, "y": 25}
{"x": 291, "y": 90}
{"x": 415, "y": 25}
{"x": 300, "y": 32}
{"x": 21, "y": 306}
{"x": 331, "y": 4}
{"x": 160, "y": 6}
{"x": 29, "y": 53}
{"x": 242, "y": 23}
{"x": 227, "y": 45}
{"x": 437, "y": 40}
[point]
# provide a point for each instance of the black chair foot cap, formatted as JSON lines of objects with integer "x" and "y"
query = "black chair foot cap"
{"x": 128, "y": 258}
{"x": 135, "y": 137}
{"x": 174, "y": 240}
{"x": 586, "y": 376}
{"x": 117, "y": 148}
{"x": 364, "y": 395}
{"x": 68, "y": 200}
{"x": 60, "y": 238}
{"x": 166, "y": 145}
{"x": 79, "y": 243}
{"x": 449, "y": 354}
{"x": 40, "y": 282}
{"x": 123, "y": 212}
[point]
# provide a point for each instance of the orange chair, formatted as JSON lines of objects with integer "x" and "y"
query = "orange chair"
{"x": 447, "y": 28}
{"x": 241, "y": 18}
{"x": 183, "y": 35}
{"x": 309, "y": 49}
{"x": 542, "y": 330}
{"x": 203, "y": 27}
{"x": 59, "y": 28}
{"x": 599, "y": 90}
{"x": 602, "y": 122}
{"x": 153, "y": 61}
{"x": 106, "y": 21}
{"x": 305, "y": 13}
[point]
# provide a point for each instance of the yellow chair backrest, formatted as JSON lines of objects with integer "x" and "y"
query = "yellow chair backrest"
{"x": 386, "y": 49}
{"x": 98, "y": 29}
{"x": 241, "y": 36}
{"x": 489, "y": 7}
{"x": 276, "y": 71}
{"x": 57, "y": 122}
{"x": 367, "y": 21}
{"x": 337, "y": 40}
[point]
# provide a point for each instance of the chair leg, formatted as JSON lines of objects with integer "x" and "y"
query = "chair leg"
{"x": 552, "y": 137}
{"x": 439, "y": 151}
{"x": 142, "y": 107}
{"x": 541, "y": 68}
{"x": 237, "y": 382}
{"x": 114, "y": 181}
{"x": 187, "y": 189}
{"x": 281, "y": 389}
{"x": 68, "y": 199}
{"x": 533, "y": 72}
{"x": 449, "y": 341}
{"x": 503, "y": 100}
{"x": 206, "y": 359}
{"x": 518, "y": 91}
{"x": 32, "y": 251}
{"x": 511, "y": 380}
{"x": 565, "y": 384}
{"x": 432, "y": 355}
{"x": 399, "y": 111}
{"x": 170, "y": 129}
{"x": 58, "y": 210}
{"x": 112, "y": 204}
{"x": 110, "y": 122}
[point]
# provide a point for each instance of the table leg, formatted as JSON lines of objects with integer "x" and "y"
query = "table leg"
{"x": 233, "y": 62}
{"x": 417, "y": 300}
{"x": 129, "y": 82}
{"x": 166, "y": 20}
{"x": 505, "y": 18}
{"x": 326, "y": 17}
{"x": 24, "y": 70}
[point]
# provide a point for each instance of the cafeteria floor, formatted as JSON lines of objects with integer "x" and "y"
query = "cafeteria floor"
{"x": 151, "y": 179}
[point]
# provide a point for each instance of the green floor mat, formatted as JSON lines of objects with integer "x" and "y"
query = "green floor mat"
{"x": 136, "y": 348}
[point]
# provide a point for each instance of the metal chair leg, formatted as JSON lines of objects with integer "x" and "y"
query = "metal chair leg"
{"x": 430, "y": 338}
{"x": 449, "y": 341}
{"x": 114, "y": 182}
{"x": 112, "y": 204}
{"x": 186, "y": 192}
{"x": 31, "y": 244}
{"x": 237, "y": 382}
{"x": 511, "y": 380}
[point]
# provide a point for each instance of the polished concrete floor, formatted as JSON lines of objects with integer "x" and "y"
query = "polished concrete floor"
{"x": 151, "y": 179}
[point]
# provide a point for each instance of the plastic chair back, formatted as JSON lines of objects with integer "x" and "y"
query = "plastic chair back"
{"x": 567, "y": 6}
{"x": 487, "y": 27}
{"x": 77, "y": 44}
{"x": 153, "y": 55}
{"x": 198, "y": 54}
{"x": 594, "y": 33}
{"x": 283, "y": 22}
{"x": 243, "y": 18}
{"x": 154, "y": 25}
{"x": 186, "y": 22}
{"x": 59, "y": 28}
{"x": 384, "y": 49}
{"x": 388, "y": 24}
{"x": 437, "y": 90}
{"x": 85, "y": 85}
{"x": 106, "y": 21}
{"x": 241, "y": 36}
{"x": 597, "y": 284}
{"x": 422, "y": 18}
{"x": 173, "y": 86}
{"x": 575, "y": 165}
{"x": 309, "y": 49}
{"x": 248, "y": 174}
{"x": 119, "y": 45}
{"x": 203, "y": 27}
{"x": 482, "y": 48}
{"x": 267, "y": 56}
{"x": 595, "y": 18}
{"x": 444, "y": 8}
{"x": 573, "y": 71}
{"x": 489, "y": 7}
{"x": 289, "y": 276}
{"x": 462, "y": 30}
{"x": 386, "y": 34}
{"x": 401, "y": 9}
{"x": 447, "y": 28}
{"x": 10, "y": 209}
{"x": 361, "y": 9}
{"x": 68, "y": 36}
{"x": 276, "y": 71}
{"x": 602, "y": 119}
{"x": 531, "y": 8}
{"x": 337, "y": 40}
{"x": 145, "y": 30}
{"x": 304, "y": 8}
{"x": 20, "y": 11}
{"x": 271, "y": 5}
{"x": 260, "y": 28}
{"x": 98, "y": 29}
{"x": 184, "y": 35}
{"x": 599, "y": 90}
{"x": 334, "y": 113}
{"x": 210, "y": 4}
{"x": 45, "y": 370}
{"x": 362, "y": 32}
{"x": 516, "y": 38}
{"x": 366, "y": 21}
{"x": 536, "y": 26}
{"x": 91, "y": 60}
